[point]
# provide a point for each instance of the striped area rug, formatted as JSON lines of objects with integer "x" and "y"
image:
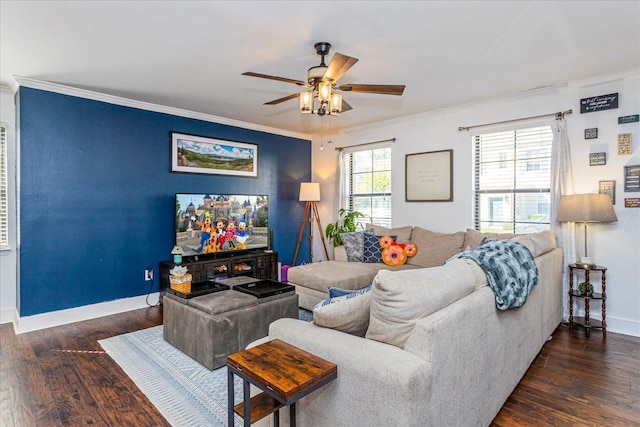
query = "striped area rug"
{"x": 185, "y": 392}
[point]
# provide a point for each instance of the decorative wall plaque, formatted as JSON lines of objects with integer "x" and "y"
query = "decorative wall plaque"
{"x": 597, "y": 159}
{"x": 632, "y": 178}
{"x": 624, "y": 144}
{"x": 632, "y": 203}
{"x": 629, "y": 119}
{"x": 591, "y": 133}
{"x": 608, "y": 187}
{"x": 597, "y": 103}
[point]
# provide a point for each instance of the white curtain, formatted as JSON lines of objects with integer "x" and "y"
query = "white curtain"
{"x": 562, "y": 184}
{"x": 340, "y": 182}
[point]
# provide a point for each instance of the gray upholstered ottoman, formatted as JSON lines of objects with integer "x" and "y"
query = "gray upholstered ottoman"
{"x": 210, "y": 327}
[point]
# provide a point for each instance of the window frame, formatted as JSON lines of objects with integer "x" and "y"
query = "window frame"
{"x": 530, "y": 161}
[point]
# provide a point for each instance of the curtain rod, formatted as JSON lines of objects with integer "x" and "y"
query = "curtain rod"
{"x": 367, "y": 143}
{"x": 559, "y": 115}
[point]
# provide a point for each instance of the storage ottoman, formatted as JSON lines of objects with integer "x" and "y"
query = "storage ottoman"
{"x": 210, "y": 327}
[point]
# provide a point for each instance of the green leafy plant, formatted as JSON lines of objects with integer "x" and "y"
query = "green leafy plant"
{"x": 346, "y": 223}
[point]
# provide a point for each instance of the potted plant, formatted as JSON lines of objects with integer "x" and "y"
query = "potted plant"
{"x": 346, "y": 223}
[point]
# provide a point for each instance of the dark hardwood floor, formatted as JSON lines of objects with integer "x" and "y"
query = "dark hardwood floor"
{"x": 61, "y": 377}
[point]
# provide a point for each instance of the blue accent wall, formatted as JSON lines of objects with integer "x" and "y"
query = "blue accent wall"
{"x": 97, "y": 195}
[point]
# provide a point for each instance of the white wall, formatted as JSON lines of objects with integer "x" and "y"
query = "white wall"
{"x": 615, "y": 245}
{"x": 8, "y": 270}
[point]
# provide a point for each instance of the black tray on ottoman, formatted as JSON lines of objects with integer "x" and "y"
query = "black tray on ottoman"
{"x": 264, "y": 288}
{"x": 200, "y": 288}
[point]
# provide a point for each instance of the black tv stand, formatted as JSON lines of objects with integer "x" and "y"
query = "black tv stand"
{"x": 261, "y": 264}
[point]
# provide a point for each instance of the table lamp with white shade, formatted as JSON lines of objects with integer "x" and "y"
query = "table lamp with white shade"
{"x": 586, "y": 208}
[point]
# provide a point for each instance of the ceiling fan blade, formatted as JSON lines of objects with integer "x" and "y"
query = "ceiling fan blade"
{"x": 381, "y": 89}
{"x": 345, "y": 106}
{"x": 286, "y": 98}
{"x": 280, "y": 79}
{"x": 339, "y": 65}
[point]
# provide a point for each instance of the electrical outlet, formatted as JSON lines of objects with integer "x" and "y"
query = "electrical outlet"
{"x": 148, "y": 274}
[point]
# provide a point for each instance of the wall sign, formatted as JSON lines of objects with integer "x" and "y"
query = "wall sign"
{"x": 632, "y": 203}
{"x": 624, "y": 144}
{"x": 429, "y": 176}
{"x": 591, "y": 133}
{"x": 597, "y": 159}
{"x": 628, "y": 119}
{"x": 597, "y": 103}
{"x": 608, "y": 187}
{"x": 632, "y": 178}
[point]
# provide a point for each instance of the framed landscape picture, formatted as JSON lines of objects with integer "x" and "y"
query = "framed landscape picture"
{"x": 199, "y": 154}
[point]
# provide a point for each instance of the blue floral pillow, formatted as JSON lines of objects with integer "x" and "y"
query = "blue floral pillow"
{"x": 372, "y": 248}
{"x": 354, "y": 245}
{"x": 337, "y": 292}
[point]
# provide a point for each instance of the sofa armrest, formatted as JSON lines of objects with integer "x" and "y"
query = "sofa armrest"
{"x": 376, "y": 385}
{"x": 340, "y": 254}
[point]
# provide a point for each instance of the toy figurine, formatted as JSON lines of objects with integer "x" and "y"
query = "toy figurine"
{"x": 207, "y": 229}
{"x": 241, "y": 235}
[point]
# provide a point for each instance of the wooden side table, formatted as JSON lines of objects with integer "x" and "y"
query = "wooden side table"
{"x": 586, "y": 322}
{"x": 283, "y": 372}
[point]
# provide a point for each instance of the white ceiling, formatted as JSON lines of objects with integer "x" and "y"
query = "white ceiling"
{"x": 190, "y": 54}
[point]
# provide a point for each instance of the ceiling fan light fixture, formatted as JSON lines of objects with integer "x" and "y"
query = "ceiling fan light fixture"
{"x": 306, "y": 102}
{"x": 335, "y": 104}
{"x": 324, "y": 92}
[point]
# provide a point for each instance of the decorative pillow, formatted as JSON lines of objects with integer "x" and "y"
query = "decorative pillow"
{"x": 395, "y": 254}
{"x": 400, "y": 298}
{"x": 348, "y": 313}
{"x": 354, "y": 245}
{"x": 435, "y": 248}
{"x": 337, "y": 292}
{"x": 372, "y": 248}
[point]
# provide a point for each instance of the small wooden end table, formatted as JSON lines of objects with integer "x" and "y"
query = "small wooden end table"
{"x": 283, "y": 372}
{"x": 586, "y": 322}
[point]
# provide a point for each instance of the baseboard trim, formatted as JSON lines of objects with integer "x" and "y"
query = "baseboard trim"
{"x": 616, "y": 324}
{"x": 78, "y": 314}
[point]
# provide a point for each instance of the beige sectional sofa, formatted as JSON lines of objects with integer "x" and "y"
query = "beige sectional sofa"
{"x": 312, "y": 281}
{"x": 430, "y": 347}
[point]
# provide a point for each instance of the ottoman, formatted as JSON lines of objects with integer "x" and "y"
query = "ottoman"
{"x": 210, "y": 327}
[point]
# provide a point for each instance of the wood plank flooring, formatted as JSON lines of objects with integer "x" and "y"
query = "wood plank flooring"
{"x": 60, "y": 377}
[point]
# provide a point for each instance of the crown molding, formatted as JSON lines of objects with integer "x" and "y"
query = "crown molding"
{"x": 126, "y": 102}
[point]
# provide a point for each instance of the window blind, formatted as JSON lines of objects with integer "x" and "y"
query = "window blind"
{"x": 513, "y": 180}
{"x": 368, "y": 180}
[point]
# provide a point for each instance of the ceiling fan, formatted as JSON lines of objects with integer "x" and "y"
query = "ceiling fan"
{"x": 322, "y": 84}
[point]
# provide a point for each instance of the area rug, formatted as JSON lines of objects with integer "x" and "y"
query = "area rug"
{"x": 185, "y": 392}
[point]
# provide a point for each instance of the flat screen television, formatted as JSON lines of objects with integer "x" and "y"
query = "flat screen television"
{"x": 216, "y": 224}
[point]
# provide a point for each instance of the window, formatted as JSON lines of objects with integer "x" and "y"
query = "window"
{"x": 4, "y": 211}
{"x": 513, "y": 180}
{"x": 368, "y": 184}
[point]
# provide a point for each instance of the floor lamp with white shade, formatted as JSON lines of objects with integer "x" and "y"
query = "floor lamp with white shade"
{"x": 310, "y": 193}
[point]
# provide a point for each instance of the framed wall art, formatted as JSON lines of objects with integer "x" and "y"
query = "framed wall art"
{"x": 199, "y": 154}
{"x": 591, "y": 133}
{"x": 632, "y": 178}
{"x": 608, "y": 187}
{"x": 429, "y": 176}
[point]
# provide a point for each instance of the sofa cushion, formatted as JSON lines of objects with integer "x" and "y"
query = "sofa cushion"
{"x": 400, "y": 298}
{"x": 435, "y": 248}
{"x": 474, "y": 238}
{"x": 537, "y": 243}
{"x": 403, "y": 234}
{"x": 372, "y": 248}
{"x": 319, "y": 276}
{"x": 348, "y": 313}
{"x": 354, "y": 245}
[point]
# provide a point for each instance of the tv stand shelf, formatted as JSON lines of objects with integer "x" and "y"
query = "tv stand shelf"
{"x": 257, "y": 263}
